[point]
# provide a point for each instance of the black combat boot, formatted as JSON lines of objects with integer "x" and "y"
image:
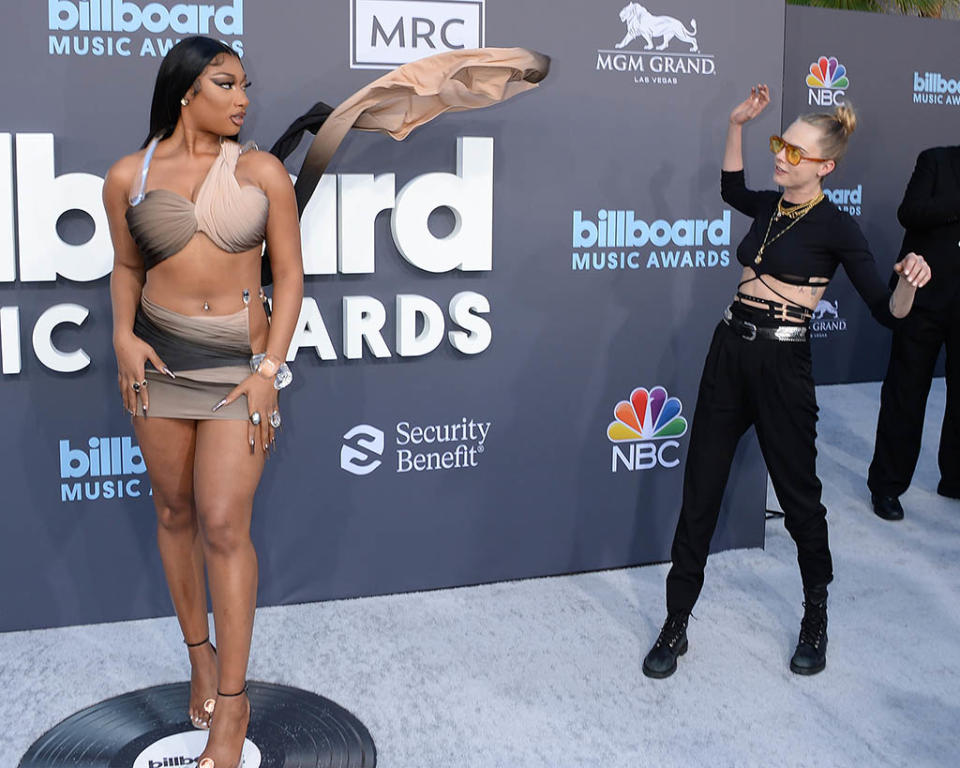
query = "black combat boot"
{"x": 662, "y": 660}
{"x": 811, "y": 654}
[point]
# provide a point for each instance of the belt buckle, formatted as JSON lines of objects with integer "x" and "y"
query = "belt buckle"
{"x": 788, "y": 333}
{"x": 753, "y": 331}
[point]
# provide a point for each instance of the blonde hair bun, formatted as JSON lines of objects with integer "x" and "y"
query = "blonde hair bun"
{"x": 847, "y": 118}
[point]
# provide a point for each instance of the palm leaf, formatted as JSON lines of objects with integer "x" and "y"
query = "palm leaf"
{"x": 932, "y": 8}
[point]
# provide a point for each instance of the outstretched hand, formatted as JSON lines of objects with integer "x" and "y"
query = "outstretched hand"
{"x": 752, "y": 106}
{"x": 914, "y": 269}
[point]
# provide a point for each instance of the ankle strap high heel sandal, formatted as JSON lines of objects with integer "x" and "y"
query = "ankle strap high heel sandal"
{"x": 208, "y": 762}
{"x": 208, "y": 704}
{"x": 231, "y": 695}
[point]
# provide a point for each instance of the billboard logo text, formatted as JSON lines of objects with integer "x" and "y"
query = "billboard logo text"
{"x": 104, "y": 27}
{"x": 934, "y": 88}
{"x": 107, "y": 463}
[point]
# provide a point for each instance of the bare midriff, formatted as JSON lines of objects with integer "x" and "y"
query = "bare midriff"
{"x": 801, "y": 295}
{"x": 204, "y": 274}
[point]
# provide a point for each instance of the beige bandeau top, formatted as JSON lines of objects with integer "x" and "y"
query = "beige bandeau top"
{"x": 234, "y": 217}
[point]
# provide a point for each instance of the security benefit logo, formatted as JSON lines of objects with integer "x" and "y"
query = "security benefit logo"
{"x": 644, "y": 431}
{"x": 936, "y": 88}
{"x": 416, "y": 447}
{"x": 101, "y": 468}
{"x": 362, "y": 449}
{"x": 656, "y": 49}
{"x": 827, "y": 321}
{"x": 129, "y": 28}
{"x": 615, "y": 239}
{"x": 387, "y": 33}
{"x": 827, "y": 82}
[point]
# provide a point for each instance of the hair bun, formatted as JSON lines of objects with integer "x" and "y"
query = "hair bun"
{"x": 847, "y": 118}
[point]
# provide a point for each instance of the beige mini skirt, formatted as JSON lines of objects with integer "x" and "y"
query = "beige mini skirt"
{"x": 209, "y": 354}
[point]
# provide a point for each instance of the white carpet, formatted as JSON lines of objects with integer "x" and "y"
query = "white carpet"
{"x": 547, "y": 672}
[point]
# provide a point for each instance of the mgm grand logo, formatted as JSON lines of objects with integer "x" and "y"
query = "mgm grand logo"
{"x": 656, "y": 50}
{"x": 827, "y": 320}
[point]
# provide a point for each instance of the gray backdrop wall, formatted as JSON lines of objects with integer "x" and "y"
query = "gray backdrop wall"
{"x": 609, "y": 264}
{"x": 881, "y": 57}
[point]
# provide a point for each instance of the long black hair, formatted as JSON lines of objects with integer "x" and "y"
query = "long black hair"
{"x": 179, "y": 70}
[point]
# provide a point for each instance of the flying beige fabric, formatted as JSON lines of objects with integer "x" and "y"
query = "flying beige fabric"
{"x": 416, "y": 93}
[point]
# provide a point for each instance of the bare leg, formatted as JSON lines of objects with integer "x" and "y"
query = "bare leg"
{"x": 226, "y": 474}
{"x": 168, "y": 451}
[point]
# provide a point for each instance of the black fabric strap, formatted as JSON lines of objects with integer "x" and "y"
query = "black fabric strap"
{"x": 282, "y": 148}
{"x": 232, "y": 695}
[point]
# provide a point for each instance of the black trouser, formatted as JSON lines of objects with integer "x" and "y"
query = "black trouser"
{"x": 768, "y": 384}
{"x": 903, "y": 401}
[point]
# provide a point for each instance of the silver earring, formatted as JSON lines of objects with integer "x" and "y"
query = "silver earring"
{"x": 184, "y": 102}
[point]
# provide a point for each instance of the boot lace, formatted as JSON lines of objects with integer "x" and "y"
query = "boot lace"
{"x": 813, "y": 625}
{"x": 673, "y": 631}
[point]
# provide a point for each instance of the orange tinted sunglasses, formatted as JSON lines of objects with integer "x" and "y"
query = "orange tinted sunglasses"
{"x": 794, "y": 154}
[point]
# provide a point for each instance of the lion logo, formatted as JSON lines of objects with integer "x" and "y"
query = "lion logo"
{"x": 641, "y": 23}
{"x": 825, "y": 308}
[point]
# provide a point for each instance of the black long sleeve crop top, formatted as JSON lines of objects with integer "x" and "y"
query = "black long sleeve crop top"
{"x": 813, "y": 248}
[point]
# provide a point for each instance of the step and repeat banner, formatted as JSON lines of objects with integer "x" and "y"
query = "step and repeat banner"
{"x": 519, "y": 410}
{"x": 902, "y": 75}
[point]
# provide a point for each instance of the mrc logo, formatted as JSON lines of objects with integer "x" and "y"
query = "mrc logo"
{"x": 827, "y": 82}
{"x": 643, "y": 431}
{"x": 387, "y": 33}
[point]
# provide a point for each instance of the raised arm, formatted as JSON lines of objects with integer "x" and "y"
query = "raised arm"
{"x": 743, "y": 113}
{"x": 733, "y": 188}
{"x": 921, "y": 209}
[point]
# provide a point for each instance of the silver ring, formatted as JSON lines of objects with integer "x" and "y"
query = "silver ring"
{"x": 275, "y": 419}
{"x": 255, "y": 418}
{"x": 143, "y": 383}
{"x": 136, "y": 386}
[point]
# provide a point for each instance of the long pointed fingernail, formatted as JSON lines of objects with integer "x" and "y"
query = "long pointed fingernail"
{"x": 219, "y": 405}
{"x": 169, "y": 373}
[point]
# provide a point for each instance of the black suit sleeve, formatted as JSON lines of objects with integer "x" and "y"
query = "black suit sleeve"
{"x": 921, "y": 209}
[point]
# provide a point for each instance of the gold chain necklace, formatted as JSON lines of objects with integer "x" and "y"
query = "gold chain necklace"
{"x": 794, "y": 213}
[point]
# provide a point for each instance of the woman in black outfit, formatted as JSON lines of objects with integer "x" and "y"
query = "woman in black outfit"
{"x": 758, "y": 373}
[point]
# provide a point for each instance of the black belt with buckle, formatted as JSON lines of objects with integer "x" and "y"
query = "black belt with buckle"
{"x": 751, "y": 332}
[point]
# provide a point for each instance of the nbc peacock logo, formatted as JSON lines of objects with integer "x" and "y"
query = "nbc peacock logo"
{"x": 827, "y": 81}
{"x": 644, "y": 432}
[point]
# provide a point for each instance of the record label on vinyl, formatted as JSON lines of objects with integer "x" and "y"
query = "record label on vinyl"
{"x": 182, "y": 749}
